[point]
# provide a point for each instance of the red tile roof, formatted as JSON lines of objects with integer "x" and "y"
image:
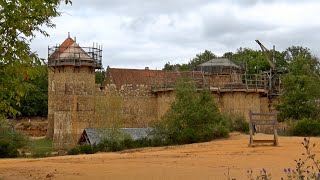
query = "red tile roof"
{"x": 145, "y": 77}
{"x": 66, "y": 43}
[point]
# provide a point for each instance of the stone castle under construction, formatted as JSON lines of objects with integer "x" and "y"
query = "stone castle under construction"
{"x": 136, "y": 97}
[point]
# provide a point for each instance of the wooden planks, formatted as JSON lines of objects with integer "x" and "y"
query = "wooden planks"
{"x": 254, "y": 121}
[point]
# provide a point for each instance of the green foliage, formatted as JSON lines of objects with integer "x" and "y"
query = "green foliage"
{"x": 99, "y": 77}
{"x": 35, "y": 101}
{"x": 302, "y": 89}
{"x": 306, "y": 127}
{"x": 74, "y": 151}
{"x": 237, "y": 122}
{"x": 41, "y": 147}
{"x": 21, "y": 20}
{"x": 193, "y": 117}
{"x": 83, "y": 149}
{"x": 193, "y": 63}
{"x": 87, "y": 149}
{"x": 10, "y": 140}
{"x": 254, "y": 60}
{"x": 201, "y": 58}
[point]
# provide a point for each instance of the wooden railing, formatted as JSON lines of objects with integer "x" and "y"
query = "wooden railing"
{"x": 220, "y": 83}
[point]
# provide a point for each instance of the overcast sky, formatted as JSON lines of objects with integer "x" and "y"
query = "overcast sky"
{"x": 141, "y": 33}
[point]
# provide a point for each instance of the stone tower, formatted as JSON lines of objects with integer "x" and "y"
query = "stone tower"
{"x": 71, "y": 90}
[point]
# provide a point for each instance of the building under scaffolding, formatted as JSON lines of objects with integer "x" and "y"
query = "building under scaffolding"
{"x": 69, "y": 53}
{"x": 222, "y": 75}
{"x": 219, "y": 66}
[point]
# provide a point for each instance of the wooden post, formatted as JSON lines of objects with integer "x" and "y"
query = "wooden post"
{"x": 275, "y": 128}
{"x": 250, "y": 129}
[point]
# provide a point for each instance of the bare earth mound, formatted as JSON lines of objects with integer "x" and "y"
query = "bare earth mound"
{"x": 196, "y": 161}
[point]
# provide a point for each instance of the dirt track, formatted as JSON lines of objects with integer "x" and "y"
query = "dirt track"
{"x": 196, "y": 161}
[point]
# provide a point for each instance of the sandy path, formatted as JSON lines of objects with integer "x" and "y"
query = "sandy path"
{"x": 196, "y": 161}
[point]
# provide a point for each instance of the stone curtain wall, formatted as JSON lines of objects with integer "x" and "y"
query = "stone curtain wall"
{"x": 125, "y": 106}
{"x": 129, "y": 107}
{"x": 76, "y": 102}
{"x": 164, "y": 101}
{"x": 242, "y": 102}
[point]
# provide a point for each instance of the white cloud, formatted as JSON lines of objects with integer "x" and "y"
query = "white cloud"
{"x": 140, "y": 33}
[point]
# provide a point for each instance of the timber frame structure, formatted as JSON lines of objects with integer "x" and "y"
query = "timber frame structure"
{"x": 259, "y": 83}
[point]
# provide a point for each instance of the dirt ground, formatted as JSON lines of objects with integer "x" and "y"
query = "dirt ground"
{"x": 211, "y": 160}
{"x": 36, "y": 127}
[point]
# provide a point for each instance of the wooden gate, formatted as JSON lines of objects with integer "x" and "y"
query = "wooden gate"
{"x": 270, "y": 121}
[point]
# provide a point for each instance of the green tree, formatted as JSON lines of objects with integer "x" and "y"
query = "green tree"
{"x": 20, "y": 21}
{"x": 302, "y": 88}
{"x": 193, "y": 117}
{"x": 192, "y": 64}
{"x": 201, "y": 58}
{"x": 253, "y": 60}
{"x": 35, "y": 101}
{"x": 303, "y": 52}
{"x": 228, "y": 55}
{"x": 10, "y": 140}
{"x": 100, "y": 77}
{"x": 168, "y": 67}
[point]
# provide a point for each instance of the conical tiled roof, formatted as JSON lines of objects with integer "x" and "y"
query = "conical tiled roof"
{"x": 69, "y": 49}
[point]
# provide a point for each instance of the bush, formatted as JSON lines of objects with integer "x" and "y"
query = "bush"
{"x": 84, "y": 149}
{"x": 306, "y": 127}
{"x": 237, "y": 122}
{"x": 193, "y": 117}
{"x": 10, "y": 140}
{"x": 7, "y": 149}
{"x": 74, "y": 151}
{"x": 88, "y": 149}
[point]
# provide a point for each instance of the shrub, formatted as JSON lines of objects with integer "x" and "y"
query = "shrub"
{"x": 7, "y": 149}
{"x": 237, "y": 122}
{"x": 88, "y": 149}
{"x": 193, "y": 117}
{"x": 74, "y": 151}
{"x": 306, "y": 127}
{"x": 10, "y": 140}
{"x": 84, "y": 149}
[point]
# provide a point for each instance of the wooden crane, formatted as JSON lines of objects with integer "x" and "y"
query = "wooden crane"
{"x": 265, "y": 52}
{"x": 273, "y": 73}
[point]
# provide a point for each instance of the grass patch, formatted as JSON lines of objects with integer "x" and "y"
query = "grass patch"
{"x": 41, "y": 147}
